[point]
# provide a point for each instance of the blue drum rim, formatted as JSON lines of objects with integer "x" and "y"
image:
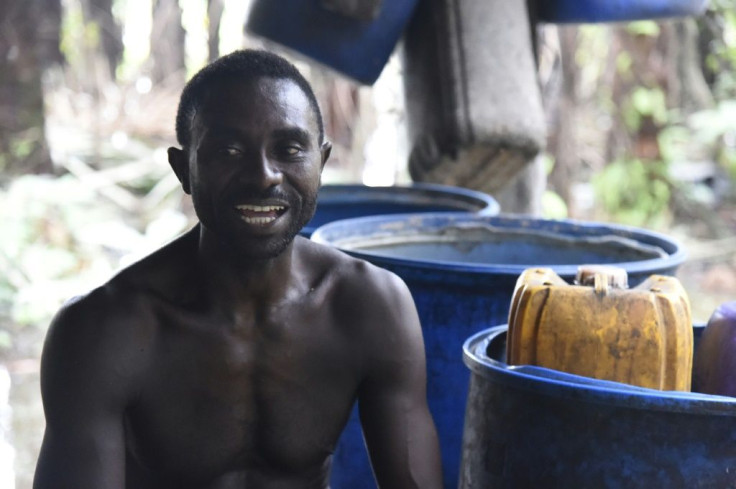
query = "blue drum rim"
{"x": 589, "y": 11}
{"x": 583, "y": 389}
{"x": 389, "y": 194}
{"x": 340, "y": 194}
{"x": 324, "y": 234}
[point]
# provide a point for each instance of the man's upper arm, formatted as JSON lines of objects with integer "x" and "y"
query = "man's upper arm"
{"x": 83, "y": 386}
{"x": 397, "y": 425}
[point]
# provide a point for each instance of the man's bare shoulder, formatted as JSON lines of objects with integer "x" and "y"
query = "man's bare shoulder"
{"x": 356, "y": 278}
{"x": 104, "y": 322}
{"x": 369, "y": 298}
{"x": 94, "y": 356}
{"x": 115, "y": 323}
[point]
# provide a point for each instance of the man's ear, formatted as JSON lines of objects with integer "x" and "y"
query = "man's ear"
{"x": 325, "y": 149}
{"x": 179, "y": 161}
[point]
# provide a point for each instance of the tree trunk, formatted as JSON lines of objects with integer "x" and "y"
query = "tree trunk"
{"x": 167, "y": 42}
{"x": 646, "y": 70}
{"x": 23, "y": 147}
{"x": 48, "y": 33}
{"x": 111, "y": 34}
{"x": 214, "y": 15}
{"x": 687, "y": 88}
{"x": 564, "y": 140}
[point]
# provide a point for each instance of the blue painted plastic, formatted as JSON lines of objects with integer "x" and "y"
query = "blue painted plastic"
{"x": 461, "y": 270}
{"x": 535, "y": 427}
{"x": 358, "y": 49}
{"x": 591, "y": 11}
{"x": 347, "y": 201}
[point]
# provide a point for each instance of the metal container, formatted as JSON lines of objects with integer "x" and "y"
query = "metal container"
{"x": 337, "y": 202}
{"x": 535, "y": 427}
{"x": 461, "y": 270}
{"x": 587, "y": 11}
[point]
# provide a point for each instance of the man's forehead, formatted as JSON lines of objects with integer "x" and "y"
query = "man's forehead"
{"x": 269, "y": 89}
{"x": 266, "y": 94}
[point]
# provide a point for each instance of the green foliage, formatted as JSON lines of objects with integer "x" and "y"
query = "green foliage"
{"x": 647, "y": 28}
{"x": 553, "y": 206}
{"x": 6, "y": 340}
{"x": 623, "y": 64}
{"x": 675, "y": 142}
{"x": 38, "y": 250}
{"x": 59, "y": 237}
{"x": 22, "y": 147}
{"x": 634, "y": 192}
{"x": 645, "y": 103}
{"x": 638, "y": 192}
{"x": 630, "y": 189}
{"x": 592, "y": 40}
{"x": 548, "y": 161}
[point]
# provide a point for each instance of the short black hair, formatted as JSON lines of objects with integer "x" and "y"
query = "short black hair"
{"x": 246, "y": 65}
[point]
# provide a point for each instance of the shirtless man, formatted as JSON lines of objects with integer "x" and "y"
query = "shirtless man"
{"x": 231, "y": 357}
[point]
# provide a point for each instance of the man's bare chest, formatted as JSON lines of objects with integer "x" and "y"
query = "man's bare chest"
{"x": 215, "y": 403}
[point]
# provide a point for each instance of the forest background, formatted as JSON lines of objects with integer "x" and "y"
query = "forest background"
{"x": 641, "y": 131}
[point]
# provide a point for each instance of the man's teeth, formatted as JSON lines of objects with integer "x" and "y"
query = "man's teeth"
{"x": 258, "y": 220}
{"x": 260, "y": 208}
{"x": 249, "y": 213}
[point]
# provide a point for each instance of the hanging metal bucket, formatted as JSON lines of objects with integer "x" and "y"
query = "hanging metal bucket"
{"x": 529, "y": 426}
{"x": 355, "y": 38}
{"x": 337, "y": 202}
{"x": 461, "y": 270}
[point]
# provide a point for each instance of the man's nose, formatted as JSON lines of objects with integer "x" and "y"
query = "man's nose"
{"x": 263, "y": 172}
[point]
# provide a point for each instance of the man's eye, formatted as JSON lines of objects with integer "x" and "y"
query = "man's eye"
{"x": 230, "y": 151}
{"x": 289, "y": 150}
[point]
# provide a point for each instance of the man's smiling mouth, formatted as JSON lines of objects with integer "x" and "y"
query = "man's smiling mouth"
{"x": 260, "y": 214}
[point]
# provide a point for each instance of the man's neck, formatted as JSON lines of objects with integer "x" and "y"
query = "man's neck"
{"x": 233, "y": 281}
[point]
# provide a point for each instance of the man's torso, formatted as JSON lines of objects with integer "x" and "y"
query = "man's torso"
{"x": 253, "y": 401}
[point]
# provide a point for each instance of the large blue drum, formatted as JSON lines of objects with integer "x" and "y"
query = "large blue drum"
{"x": 535, "y": 427}
{"x": 461, "y": 270}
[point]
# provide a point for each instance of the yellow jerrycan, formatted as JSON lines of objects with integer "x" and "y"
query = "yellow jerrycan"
{"x": 600, "y": 328}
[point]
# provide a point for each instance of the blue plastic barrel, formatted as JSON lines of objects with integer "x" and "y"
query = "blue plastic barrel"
{"x": 590, "y": 11}
{"x": 535, "y": 427}
{"x": 461, "y": 270}
{"x": 346, "y": 201}
{"x": 357, "y": 48}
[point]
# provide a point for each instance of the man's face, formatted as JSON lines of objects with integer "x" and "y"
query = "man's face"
{"x": 254, "y": 164}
